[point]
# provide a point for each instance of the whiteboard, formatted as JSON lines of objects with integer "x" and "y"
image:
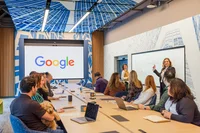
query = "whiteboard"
{"x": 143, "y": 62}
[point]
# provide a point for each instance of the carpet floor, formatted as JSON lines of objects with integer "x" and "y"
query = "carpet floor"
{"x": 5, "y": 126}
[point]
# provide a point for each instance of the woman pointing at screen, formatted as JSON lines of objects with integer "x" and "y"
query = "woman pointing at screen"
{"x": 165, "y": 65}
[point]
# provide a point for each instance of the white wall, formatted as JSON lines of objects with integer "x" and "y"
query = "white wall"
{"x": 145, "y": 21}
{"x": 185, "y": 32}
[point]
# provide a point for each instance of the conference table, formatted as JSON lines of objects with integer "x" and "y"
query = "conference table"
{"x": 102, "y": 124}
{"x": 105, "y": 122}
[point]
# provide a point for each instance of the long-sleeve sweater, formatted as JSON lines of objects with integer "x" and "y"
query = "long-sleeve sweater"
{"x": 133, "y": 91}
{"x": 113, "y": 91}
{"x": 145, "y": 97}
{"x": 163, "y": 99}
{"x": 187, "y": 112}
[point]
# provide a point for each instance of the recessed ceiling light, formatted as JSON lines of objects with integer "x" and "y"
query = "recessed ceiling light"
{"x": 151, "y": 6}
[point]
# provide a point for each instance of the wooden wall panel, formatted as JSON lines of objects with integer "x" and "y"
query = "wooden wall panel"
{"x": 97, "y": 53}
{"x": 6, "y": 62}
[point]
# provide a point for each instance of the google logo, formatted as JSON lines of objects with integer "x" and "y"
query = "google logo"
{"x": 40, "y": 61}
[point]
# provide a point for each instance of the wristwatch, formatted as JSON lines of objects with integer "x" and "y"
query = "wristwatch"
{"x": 145, "y": 108}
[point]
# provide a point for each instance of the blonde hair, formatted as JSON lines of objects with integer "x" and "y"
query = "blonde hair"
{"x": 163, "y": 63}
{"x": 114, "y": 81}
{"x": 44, "y": 87}
{"x": 133, "y": 78}
{"x": 149, "y": 83}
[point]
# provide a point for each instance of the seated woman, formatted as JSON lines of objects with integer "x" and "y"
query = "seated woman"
{"x": 41, "y": 95}
{"x": 114, "y": 85}
{"x": 42, "y": 89}
{"x": 49, "y": 77}
{"x": 150, "y": 89}
{"x": 134, "y": 87}
{"x": 180, "y": 106}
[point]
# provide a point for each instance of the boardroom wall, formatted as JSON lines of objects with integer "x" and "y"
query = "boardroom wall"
{"x": 151, "y": 19}
{"x": 6, "y": 62}
{"x": 51, "y": 35}
{"x": 185, "y": 32}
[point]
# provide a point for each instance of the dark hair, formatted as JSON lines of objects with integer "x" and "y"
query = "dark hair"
{"x": 32, "y": 72}
{"x": 26, "y": 84}
{"x": 123, "y": 66}
{"x": 38, "y": 78}
{"x": 170, "y": 74}
{"x": 179, "y": 89}
{"x": 48, "y": 74}
{"x": 97, "y": 74}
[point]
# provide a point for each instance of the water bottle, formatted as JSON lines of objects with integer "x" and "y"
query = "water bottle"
{"x": 81, "y": 89}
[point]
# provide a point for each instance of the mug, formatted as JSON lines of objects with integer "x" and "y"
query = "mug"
{"x": 92, "y": 94}
{"x": 83, "y": 108}
{"x": 69, "y": 98}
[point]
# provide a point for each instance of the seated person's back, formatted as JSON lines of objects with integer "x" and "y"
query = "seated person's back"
{"x": 101, "y": 83}
{"x": 148, "y": 93}
{"x": 29, "y": 111}
{"x": 114, "y": 85}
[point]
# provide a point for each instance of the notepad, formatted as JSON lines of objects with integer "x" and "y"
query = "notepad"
{"x": 156, "y": 119}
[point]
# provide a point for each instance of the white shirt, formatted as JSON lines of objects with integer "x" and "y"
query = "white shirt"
{"x": 145, "y": 97}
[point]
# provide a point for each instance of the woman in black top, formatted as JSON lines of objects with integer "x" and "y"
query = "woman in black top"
{"x": 165, "y": 65}
{"x": 134, "y": 87}
{"x": 181, "y": 106}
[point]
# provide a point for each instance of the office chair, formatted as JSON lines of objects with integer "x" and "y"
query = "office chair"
{"x": 19, "y": 127}
{"x": 153, "y": 100}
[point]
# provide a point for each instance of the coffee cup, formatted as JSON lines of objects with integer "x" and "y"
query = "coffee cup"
{"x": 92, "y": 94}
{"x": 83, "y": 108}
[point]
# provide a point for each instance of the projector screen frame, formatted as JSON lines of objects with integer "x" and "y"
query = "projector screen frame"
{"x": 161, "y": 62}
{"x": 55, "y": 43}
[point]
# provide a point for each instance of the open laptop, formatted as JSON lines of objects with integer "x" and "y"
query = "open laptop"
{"x": 121, "y": 105}
{"x": 90, "y": 114}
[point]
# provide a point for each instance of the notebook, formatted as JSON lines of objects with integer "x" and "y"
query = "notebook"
{"x": 90, "y": 114}
{"x": 156, "y": 119}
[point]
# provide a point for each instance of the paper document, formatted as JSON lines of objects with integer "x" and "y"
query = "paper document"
{"x": 155, "y": 118}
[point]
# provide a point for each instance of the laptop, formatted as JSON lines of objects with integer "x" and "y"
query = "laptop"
{"x": 121, "y": 105}
{"x": 90, "y": 114}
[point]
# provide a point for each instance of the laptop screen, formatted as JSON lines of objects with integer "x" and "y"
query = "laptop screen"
{"x": 92, "y": 110}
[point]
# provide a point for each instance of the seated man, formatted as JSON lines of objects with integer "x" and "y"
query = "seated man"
{"x": 168, "y": 76}
{"x": 101, "y": 83}
{"x": 29, "y": 111}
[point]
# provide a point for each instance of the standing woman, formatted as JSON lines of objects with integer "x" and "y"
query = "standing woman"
{"x": 114, "y": 85}
{"x": 125, "y": 73}
{"x": 134, "y": 87}
{"x": 165, "y": 65}
{"x": 181, "y": 106}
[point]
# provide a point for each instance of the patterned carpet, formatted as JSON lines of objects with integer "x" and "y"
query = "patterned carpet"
{"x": 5, "y": 126}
